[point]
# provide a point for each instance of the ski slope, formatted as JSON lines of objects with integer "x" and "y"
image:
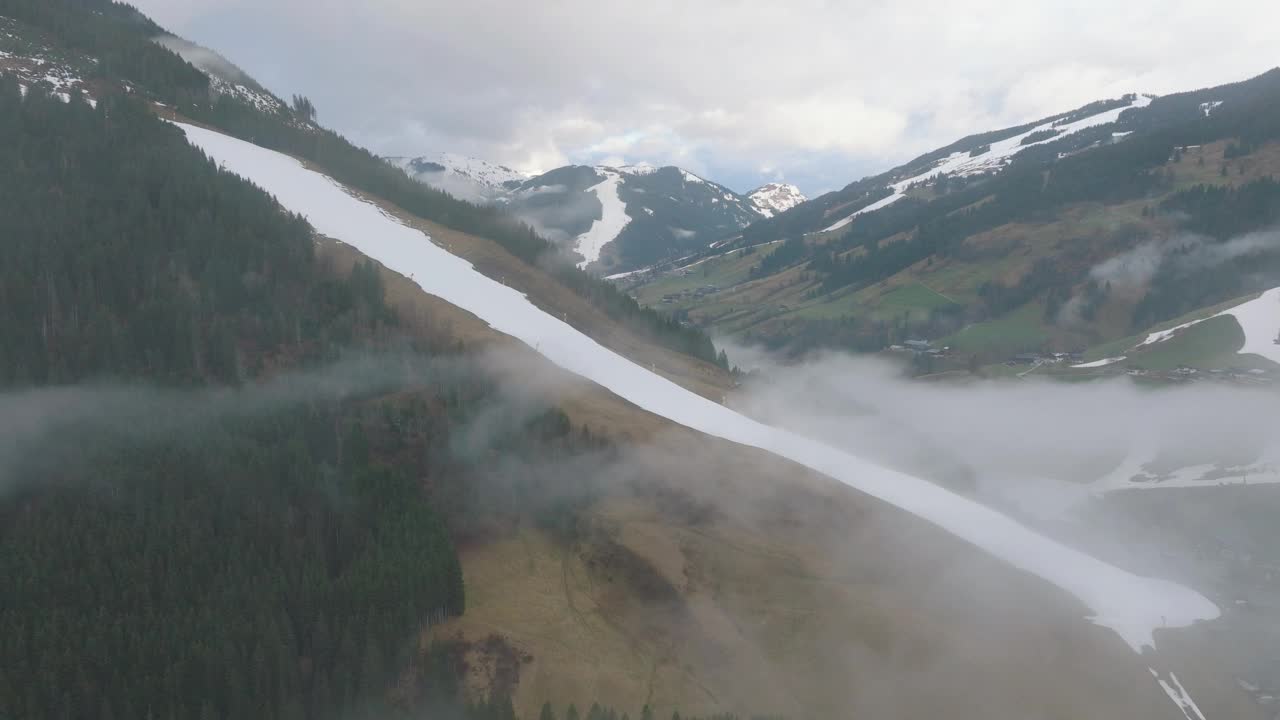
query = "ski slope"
{"x": 993, "y": 159}
{"x": 1258, "y": 318}
{"x": 1131, "y": 605}
{"x": 613, "y": 218}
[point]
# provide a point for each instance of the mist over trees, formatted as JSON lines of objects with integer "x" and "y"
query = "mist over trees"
{"x": 275, "y": 563}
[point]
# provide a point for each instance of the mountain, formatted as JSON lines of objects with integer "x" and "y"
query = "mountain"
{"x": 465, "y": 178}
{"x": 616, "y": 219}
{"x": 774, "y": 198}
{"x": 1061, "y": 234}
{"x": 1130, "y": 605}
{"x": 289, "y": 434}
{"x": 623, "y": 218}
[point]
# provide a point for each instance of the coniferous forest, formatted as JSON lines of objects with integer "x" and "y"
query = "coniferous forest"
{"x": 209, "y": 547}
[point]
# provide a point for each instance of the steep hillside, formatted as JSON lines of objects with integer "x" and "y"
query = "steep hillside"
{"x": 1055, "y": 235}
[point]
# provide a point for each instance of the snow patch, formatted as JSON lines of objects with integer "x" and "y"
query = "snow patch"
{"x": 260, "y": 101}
{"x": 639, "y": 169}
{"x": 1101, "y": 363}
{"x": 1208, "y": 107}
{"x": 1133, "y": 606}
{"x": 691, "y": 178}
{"x": 1134, "y": 473}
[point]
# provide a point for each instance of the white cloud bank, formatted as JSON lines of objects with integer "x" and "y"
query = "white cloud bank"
{"x": 823, "y": 91}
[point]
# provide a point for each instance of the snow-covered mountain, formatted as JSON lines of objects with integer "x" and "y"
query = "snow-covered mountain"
{"x": 991, "y": 157}
{"x": 621, "y": 218}
{"x": 466, "y": 178}
{"x": 616, "y": 218}
{"x": 775, "y": 198}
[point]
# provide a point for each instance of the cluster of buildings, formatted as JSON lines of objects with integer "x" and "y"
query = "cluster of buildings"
{"x": 1184, "y": 373}
{"x": 921, "y": 347}
{"x": 1045, "y": 358}
{"x": 690, "y": 294}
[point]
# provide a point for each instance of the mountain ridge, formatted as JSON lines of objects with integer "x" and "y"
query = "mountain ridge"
{"x": 617, "y": 218}
{"x": 1012, "y": 230}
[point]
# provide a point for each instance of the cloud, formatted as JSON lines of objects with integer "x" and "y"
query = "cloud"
{"x": 203, "y": 58}
{"x": 1037, "y": 445}
{"x": 38, "y": 426}
{"x": 823, "y": 91}
{"x": 1180, "y": 254}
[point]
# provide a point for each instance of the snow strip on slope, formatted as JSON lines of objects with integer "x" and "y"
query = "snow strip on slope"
{"x": 1259, "y": 318}
{"x": 1131, "y": 605}
{"x": 962, "y": 163}
{"x": 613, "y": 218}
{"x": 627, "y": 274}
{"x": 1179, "y": 695}
{"x": 882, "y": 202}
{"x": 1101, "y": 363}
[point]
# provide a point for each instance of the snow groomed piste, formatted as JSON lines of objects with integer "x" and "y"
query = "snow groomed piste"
{"x": 1131, "y": 605}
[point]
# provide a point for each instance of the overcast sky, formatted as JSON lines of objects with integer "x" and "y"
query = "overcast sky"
{"x": 814, "y": 92}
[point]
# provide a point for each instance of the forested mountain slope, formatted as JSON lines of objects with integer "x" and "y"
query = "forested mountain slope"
{"x": 1021, "y": 240}
{"x": 113, "y": 43}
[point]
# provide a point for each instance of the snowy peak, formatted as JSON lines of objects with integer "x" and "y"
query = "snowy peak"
{"x": 774, "y": 198}
{"x": 466, "y": 178}
{"x": 477, "y": 169}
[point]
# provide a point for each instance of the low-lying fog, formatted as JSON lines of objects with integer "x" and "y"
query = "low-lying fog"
{"x": 1180, "y": 483}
